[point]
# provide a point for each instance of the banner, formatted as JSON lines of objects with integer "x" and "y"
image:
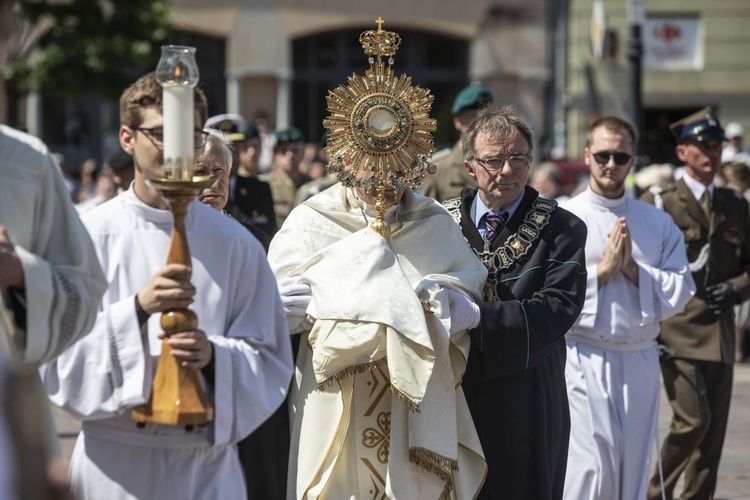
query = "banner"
{"x": 673, "y": 43}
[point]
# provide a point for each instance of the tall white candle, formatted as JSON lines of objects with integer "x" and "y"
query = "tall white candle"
{"x": 177, "y": 103}
{"x": 177, "y": 72}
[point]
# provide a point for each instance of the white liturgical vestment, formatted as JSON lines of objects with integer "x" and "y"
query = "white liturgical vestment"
{"x": 63, "y": 285}
{"x": 63, "y": 281}
{"x": 374, "y": 355}
{"x": 612, "y": 368}
{"x": 100, "y": 379}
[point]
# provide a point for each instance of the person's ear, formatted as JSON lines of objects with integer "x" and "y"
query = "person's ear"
{"x": 681, "y": 151}
{"x": 127, "y": 139}
{"x": 470, "y": 169}
{"x": 587, "y": 156}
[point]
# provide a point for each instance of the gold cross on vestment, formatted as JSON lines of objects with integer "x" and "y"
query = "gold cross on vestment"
{"x": 380, "y": 22}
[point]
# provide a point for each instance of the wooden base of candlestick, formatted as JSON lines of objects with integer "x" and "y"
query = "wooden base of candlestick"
{"x": 177, "y": 396}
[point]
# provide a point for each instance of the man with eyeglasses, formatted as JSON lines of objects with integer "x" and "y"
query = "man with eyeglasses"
{"x": 637, "y": 276}
{"x": 700, "y": 343}
{"x": 240, "y": 348}
{"x": 534, "y": 253}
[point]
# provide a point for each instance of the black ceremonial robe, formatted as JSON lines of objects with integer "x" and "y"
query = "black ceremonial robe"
{"x": 515, "y": 383}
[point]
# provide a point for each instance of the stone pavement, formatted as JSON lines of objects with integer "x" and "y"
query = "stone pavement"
{"x": 734, "y": 471}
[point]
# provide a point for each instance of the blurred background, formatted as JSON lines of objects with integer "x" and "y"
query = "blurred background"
{"x": 561, "y": 63}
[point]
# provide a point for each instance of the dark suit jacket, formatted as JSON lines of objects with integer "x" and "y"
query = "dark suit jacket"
{"x": 251, "y": 204}
{"x": 515, "y": 385}
{"x": 697, "y": 333}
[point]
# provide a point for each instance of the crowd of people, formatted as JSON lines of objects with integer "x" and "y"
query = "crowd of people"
{"x": 504, "y": 338}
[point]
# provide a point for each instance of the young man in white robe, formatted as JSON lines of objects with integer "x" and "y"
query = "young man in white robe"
{"x": 241, "y": 347}
{"x": 638, "y": 274}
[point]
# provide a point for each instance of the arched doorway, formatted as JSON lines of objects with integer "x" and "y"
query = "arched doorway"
{"x": 323, "y": 61}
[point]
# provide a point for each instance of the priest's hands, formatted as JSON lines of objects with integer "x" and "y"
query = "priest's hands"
{"x": 296, "y": 297}
{"x": 169, "y": 288}
{"x": 721, "y": 297}
{"x": 618, "y": 255}
{"x": 192, "y": 350}
{"x": 11, "y": 270}
{"x": 465, "y": 313}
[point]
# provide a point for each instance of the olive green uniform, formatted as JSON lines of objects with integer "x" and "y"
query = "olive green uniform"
{"x": 698, "y": 373}
{"x": 451, "y": 177}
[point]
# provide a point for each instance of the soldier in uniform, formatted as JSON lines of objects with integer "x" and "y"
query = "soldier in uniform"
{"x": 699, "y": 343}
{"x": 285, "y": 177}
{"x": 534, "y": 252}
{"x": 451, "y": 176}
{"x": 250, "y": 200}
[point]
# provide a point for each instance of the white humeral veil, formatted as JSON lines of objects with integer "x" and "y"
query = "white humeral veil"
{"x": 373, "y": 340}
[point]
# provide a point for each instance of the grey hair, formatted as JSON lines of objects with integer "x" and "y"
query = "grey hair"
{"x": 495, "y": 121}
{"x": 217, "y": 138}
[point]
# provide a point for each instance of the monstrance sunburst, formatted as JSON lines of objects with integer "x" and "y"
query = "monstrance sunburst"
{"x": 380, "y": 125}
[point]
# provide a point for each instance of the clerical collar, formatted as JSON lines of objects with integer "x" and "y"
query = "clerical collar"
{"x": 697, "y": 188}
{"x": 478, "y": 209}
{"x": 603, "y": 201}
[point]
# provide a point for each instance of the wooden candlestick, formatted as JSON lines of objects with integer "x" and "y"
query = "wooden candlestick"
{"x": 177, "y": 396}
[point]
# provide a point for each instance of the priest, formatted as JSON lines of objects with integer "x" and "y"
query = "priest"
{"x": 381, "y": 287}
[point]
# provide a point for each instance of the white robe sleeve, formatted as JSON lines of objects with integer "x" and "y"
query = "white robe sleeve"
{"x": 108, "y": 372}
{"x": 590, "y": 310}
{"x": 253, "y": 360}
{"x": 666, "y": 288}
{"x": 63, "y": 280}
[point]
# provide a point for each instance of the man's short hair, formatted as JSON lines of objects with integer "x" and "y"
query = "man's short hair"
{"x": 739, "y": 173}
{"x": 496, "y": 121}
{"x": 612, "y": 124}
{"x": 146, "y": 93}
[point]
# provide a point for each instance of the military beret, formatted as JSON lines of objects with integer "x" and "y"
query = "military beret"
{"x": 700, "y": 126}
{"x": 472, "y": 97}
{"x": 249, "y": 130}
{"x": 289, "y": 134}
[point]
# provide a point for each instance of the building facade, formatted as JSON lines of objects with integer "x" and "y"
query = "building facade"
{"x": 695, "y": 54}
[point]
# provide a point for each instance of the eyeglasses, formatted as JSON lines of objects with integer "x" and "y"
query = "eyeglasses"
{"x": 516, "y": 162}
{"x": 156, "y": 136}
{"x": 602, "y": 157}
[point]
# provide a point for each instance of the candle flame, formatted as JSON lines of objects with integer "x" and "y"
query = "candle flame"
{"x": 177, "y": 72}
